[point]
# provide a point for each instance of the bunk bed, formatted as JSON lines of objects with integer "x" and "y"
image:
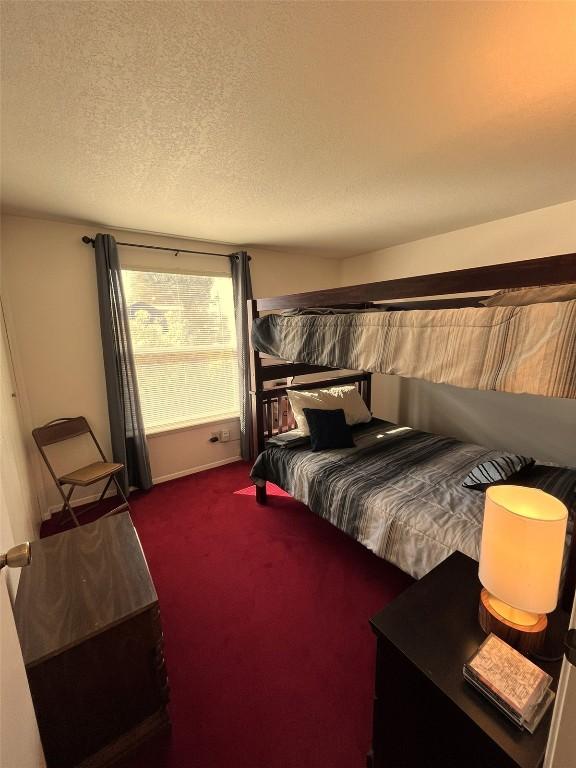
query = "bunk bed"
{"x": 399, "y": 491}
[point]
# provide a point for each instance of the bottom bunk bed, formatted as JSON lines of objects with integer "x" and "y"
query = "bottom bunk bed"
{"x": 399, "y": 491}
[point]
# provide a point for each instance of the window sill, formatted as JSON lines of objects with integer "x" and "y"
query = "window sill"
{"x": 159, "y": 431}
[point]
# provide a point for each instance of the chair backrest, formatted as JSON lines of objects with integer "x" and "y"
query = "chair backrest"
{"x": 61, "y": 429}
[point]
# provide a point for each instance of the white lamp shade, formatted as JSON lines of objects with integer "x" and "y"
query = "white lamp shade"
{"x": 522, "y": 546}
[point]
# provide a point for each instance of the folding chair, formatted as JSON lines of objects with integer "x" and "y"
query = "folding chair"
{"x": 60, "y": 430}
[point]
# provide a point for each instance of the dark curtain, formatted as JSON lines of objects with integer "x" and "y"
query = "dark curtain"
{"x": 242, "y": 285}
{"x": 126, "y": 425}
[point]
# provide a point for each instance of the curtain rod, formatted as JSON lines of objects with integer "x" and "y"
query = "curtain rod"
{"x": 91, "y": 241}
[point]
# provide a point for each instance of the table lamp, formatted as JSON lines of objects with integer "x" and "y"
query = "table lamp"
{"x": 521, "y": 553}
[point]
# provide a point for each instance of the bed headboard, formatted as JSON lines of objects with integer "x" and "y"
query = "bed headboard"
{"x": 271, "y": 407}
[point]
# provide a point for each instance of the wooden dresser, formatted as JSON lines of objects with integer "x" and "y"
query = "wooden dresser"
{"x": 89, "y": 625}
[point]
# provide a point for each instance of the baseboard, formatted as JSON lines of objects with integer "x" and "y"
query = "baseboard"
{"x": 81, "y": 500}
{"x": 194, "y": 470}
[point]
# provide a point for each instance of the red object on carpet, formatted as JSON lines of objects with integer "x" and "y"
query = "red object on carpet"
{"x": 265, "y": 612}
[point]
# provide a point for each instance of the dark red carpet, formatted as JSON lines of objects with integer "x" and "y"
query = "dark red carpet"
{"x": 265, "y": 613}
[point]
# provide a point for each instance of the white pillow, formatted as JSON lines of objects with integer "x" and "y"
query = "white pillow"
{"x": 346, "y": 397}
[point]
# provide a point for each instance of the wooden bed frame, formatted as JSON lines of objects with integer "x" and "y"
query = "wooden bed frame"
{"x": 271, "y": 412}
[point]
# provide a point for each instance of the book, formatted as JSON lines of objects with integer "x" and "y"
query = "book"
{"x": 496, "y": 700}
{"x": 539, "y": 711}
{"x": 516, "y": 686}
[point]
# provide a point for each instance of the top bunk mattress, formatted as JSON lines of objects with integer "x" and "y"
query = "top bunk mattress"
{"x": 528, "y": 349}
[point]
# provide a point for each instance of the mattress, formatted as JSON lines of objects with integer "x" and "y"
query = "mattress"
{"x": 398, "y": 491}
{"x": 528, "y": 349}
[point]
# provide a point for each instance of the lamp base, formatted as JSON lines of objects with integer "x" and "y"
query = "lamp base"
{"x": 527, "y": 636}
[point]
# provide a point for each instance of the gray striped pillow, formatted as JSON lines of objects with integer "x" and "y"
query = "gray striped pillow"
{"x": 496, "y": 470}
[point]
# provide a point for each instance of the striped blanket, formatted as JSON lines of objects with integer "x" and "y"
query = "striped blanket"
{"x": 530, "y": 349}
{"x": 398, "y": 491}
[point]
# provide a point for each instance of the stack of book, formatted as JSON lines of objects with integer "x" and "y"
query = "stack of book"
{"x": 515, "y": 685}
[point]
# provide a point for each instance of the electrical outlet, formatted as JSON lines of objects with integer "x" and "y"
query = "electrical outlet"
{"x": 224, "y": 435}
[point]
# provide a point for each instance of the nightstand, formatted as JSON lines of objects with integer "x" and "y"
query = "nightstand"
{"x": 425, "y": 714}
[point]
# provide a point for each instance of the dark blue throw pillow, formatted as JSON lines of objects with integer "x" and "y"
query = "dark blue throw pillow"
{"x": 328, "y": 429}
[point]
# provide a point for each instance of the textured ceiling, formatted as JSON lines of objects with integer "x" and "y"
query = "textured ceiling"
{"x": 335, "y": 126}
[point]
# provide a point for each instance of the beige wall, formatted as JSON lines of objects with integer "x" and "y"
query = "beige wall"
{"x": 541, "y": 427}
{"x": 53, "y": 312}
{"x": 19, "y": 518}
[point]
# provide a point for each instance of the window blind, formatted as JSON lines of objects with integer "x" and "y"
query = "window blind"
{"x": 184, "y": 343}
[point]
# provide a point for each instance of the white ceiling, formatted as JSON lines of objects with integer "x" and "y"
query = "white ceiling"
{"x": 340, "y": 127}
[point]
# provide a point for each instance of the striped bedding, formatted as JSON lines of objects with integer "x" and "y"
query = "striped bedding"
{"x": 398, "y": 491}
{"x": 528, "y": 349}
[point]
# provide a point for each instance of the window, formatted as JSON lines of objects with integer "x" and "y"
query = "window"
{"x": 184, "y": 342}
